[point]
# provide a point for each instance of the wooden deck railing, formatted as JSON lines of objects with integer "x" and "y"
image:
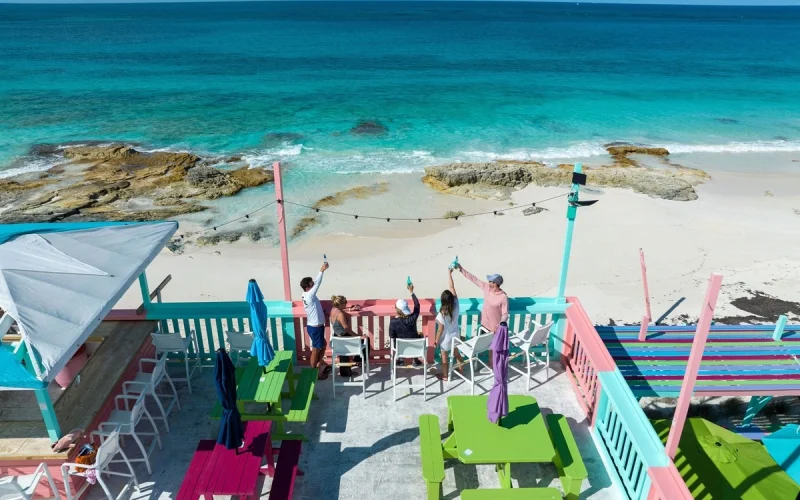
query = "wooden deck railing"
{"x": 625, "y": 438}
{"x": 634, "y": 454}
{"x": 583, "y": 356}
{"x": 211, "y": 320}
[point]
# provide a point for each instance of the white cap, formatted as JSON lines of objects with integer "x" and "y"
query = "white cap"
{"x": 402, "y": 305}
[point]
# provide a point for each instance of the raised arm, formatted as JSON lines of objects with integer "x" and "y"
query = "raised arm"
{"x": 415, "y": 312}
{"x": 318, "y": 281}
{"x": 451, "y": 284}
{"x": 482, "y": 285}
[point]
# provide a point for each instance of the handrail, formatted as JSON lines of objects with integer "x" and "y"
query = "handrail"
{"x": 667, "y": 484}
{"x": 156, "y": 293}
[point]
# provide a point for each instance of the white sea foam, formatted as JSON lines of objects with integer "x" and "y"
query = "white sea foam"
{"x": 266, "y": 157}
{"x": 735, "y": 147}
{"x": 579, "y": 150}
{"x": 35, "y": 165}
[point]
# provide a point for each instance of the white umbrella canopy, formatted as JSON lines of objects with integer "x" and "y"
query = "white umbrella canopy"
{"x": 59, "y": 285}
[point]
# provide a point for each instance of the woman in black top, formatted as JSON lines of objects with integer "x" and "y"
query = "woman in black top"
{"x": 404, "y": 324}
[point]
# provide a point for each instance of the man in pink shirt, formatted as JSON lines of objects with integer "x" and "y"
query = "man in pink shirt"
{"x": 495, "y": 302}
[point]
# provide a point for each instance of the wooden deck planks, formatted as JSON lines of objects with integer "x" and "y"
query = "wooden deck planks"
{"x": 99, "y": 377}
{"x": 742, "y": 360}
{"x": 81, "y": 403}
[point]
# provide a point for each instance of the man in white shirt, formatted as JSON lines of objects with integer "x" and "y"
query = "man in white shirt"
{"x": 315, "y": 321}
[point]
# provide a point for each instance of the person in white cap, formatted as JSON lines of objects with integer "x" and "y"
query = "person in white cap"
{"x": 404, "y": 324}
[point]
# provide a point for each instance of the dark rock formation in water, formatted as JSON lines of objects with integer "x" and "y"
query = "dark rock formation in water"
{"x": 369, "y": 127}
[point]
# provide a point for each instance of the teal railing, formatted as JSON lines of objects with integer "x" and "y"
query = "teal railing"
{"x": 211, "y": 320}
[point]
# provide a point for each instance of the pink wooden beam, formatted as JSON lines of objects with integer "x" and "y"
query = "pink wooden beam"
{"x": 643, "y": 328}
{"x": 287, "y": 286}
{"x": 693, "y": 366}
{"x": 648, "y": 312}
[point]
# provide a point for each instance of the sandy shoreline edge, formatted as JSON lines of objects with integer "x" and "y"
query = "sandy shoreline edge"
{"x": 743, "y": 224}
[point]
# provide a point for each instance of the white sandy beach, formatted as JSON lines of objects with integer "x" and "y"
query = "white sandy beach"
{"x": 744, "y": 225}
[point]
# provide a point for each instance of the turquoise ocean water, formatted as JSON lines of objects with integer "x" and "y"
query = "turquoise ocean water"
{"x": 450, "y": 80}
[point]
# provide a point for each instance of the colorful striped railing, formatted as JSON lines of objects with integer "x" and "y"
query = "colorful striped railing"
{"x": 634, "y": 456}
{"x": 211, "y": 320}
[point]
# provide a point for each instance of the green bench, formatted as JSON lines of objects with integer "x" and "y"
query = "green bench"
{"x": 430, "y": 442}
{"x": 300, "y": 405}
{"x": 303, "y": 394}
{"x": 569, "y": 464}
{"x": 512, "y": 494}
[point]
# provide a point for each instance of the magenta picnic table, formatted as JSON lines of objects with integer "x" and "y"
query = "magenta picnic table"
{"x": 216, "y": 470}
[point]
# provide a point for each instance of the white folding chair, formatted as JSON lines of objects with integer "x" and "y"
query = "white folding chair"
{"x": 107, "y": 450}
{"x": 410, "y": 349}
{"x": 16, "y": 487}
{"x": 470, "y": 350}
{"x": 166, "y": 343}
{"x": 125, "y": 423}
{"x": 240, "y": 343}
{"x": 148, "y": 383}
{"x": 349, "y": 346}
{"x": 532, "y": 341}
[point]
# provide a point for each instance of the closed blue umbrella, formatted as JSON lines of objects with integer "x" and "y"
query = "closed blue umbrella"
{"x": 261, "y": 347}
{"x": 231, "y": 432}
{"x": 498, "y": 396}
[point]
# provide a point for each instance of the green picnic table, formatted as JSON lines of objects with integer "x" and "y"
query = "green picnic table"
{"x": 521, "y": 437}
{"x": 256, "y": 384}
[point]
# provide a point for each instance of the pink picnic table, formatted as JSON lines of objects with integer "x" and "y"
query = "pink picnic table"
{"x": 216, "y": 470}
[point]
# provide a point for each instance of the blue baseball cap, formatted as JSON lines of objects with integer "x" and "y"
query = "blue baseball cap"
{"x": 495, "y": 278}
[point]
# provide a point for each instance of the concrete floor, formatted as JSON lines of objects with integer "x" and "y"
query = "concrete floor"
{"x": 365, "y": 448}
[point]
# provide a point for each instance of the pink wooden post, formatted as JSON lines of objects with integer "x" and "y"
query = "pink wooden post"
{"x": 287, "y": 286}
{"x": 693, "y": 366}
{"x": 643, "y": 328}
{"x": 648, "y": 313}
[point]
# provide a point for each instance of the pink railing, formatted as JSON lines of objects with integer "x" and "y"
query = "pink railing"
{"x": 667, "y": 484}
{"x": 584, "y": 356}
{"x": 622, "y": 430}
{"x": 372, "y": 320}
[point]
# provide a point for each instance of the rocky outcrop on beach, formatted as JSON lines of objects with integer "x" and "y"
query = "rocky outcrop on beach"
{"x": 499, "y": 178}
{"x": 357, "y": 193}
{"x": 619, "y": 153}
{"x": 118, "y": 182}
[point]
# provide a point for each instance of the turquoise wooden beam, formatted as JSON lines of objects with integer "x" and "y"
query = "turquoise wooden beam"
{"x": 779, "y": 327}
{"x": 754, "y": 407}
{"x": 145, "y": 289}
{"x": 48, "y": 414}
{"x": 572, "y": 212}
{"x": 556, "y": 344}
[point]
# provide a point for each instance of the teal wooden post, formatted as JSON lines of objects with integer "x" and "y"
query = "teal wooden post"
{"x": 556, "y": 343}
{"x": 289, "y": 339}
{"x": 754, "y": 407}
{"x": 48, "y": 414}
{"x": 145, "y": 289}
{"x": 572, "y": 211}
{"x": 779, "y": 328}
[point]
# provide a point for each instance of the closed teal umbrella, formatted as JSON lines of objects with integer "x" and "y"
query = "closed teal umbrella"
{"x": 261, "y": 347}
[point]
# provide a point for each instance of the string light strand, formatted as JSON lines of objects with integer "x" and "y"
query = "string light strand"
{"x": 420, "y": 219}
{"x": 245, "y": 216}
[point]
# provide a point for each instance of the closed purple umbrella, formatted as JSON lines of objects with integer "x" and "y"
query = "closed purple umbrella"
{"x": 498, "y": 396}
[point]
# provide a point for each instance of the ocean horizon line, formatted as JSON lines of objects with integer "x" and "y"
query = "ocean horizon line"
{"x": 634, "y": 3}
